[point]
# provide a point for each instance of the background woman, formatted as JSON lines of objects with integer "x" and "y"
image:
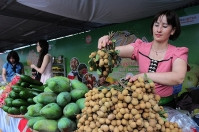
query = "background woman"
{"x": 12, "y": 67}
{"x": 44, "y": 65}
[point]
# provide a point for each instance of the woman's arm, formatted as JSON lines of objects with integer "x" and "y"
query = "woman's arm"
{"x": 4, "y": 74}
{"x": 45, "y": 62}
{"x": 175, "y": 77}
{"x": 125, "y": 51}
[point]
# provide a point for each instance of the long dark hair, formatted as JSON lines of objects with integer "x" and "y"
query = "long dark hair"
{"x": 14, "y": 55}
{"x": 44, "y": 50}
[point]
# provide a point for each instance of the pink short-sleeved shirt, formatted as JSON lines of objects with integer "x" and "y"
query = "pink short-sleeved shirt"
{"x": 141, "y": 54}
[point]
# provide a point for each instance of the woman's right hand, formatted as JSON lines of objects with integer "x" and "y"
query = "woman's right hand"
{"x": 103, "y": 41}
{"x": 32, "y": 66}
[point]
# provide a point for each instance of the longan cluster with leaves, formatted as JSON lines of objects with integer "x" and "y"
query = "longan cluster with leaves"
{"x": 133, "y": 109}
{"x": 104, "y": 60}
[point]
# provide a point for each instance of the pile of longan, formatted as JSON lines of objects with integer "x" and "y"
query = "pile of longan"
{"x": 135, "y": 109}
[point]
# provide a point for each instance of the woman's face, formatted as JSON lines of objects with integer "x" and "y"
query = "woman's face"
{"x": 12, "y": 60}
{"x": 161, "y": 29}
{"x": 74, "y": 63}
{"x": 38, "y": 47}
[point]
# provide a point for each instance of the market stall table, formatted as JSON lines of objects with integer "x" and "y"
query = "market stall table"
{"x": 7, "y": 123}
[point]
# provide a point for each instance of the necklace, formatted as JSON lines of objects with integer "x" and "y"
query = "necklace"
{"x": 157, "y": 52}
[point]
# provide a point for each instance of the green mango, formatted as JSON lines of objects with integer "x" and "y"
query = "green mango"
{"x": 46, "y": 125}
{"x": 71, "y": 110}
{"x": 33, "y": 120}
{"x": 76, "y": 84}
{"x": 66, "y": 125}
{"x": 46, "y": 98}
{"x": 81, "y": 103}
{"x": 51, "y": 111}
{"x": 63, "y": 98}
{"x": 58, "y": 84}
{"x": 34, "y": 110}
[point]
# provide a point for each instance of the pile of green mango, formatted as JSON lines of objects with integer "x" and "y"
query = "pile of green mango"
{"x": 56, "y": 108}
{"x": 21, "y": 95}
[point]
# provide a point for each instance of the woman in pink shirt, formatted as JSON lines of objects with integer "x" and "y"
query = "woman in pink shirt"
{"x": 163, "y": 63}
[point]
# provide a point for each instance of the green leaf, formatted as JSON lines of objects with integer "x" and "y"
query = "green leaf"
{"x": 164, "y": 119}
{"x": 97, "y": 57}
{"x": 100, "y": 88}
{"x": 110, "y": 69}
{"x": 110, "y": 60}
{"x": 150, "y": 81}
{"x": 99, "y": 72}
{"x": 90, "y": 61}
{"x": 94, "y": 67}
{"x": 146, "y": 78}
{"x": 117, "y": 51}
{"x": 113, "y": 40}
{"x": 162, "y": 112}
{"x": 92, "y": 64}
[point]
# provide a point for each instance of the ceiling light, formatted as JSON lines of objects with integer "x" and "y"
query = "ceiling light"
{"x": 26, "y": 34}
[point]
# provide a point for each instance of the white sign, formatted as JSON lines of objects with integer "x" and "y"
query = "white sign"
{"x": 188, "y": 20}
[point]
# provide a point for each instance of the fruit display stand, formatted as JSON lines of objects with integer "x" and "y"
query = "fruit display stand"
{"x": 125, "y": 106}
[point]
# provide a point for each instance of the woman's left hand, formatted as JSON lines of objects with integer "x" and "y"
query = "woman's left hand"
{"x": 134, "y": 77}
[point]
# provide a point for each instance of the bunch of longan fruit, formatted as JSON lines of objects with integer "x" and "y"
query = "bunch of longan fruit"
{"x": 103, "y": 61}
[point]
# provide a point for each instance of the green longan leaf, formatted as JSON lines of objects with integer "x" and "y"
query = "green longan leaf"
{"x": 146, "y": 78}
{"x": 97, "y": 57}
{"x": 164, "y": 119}
{"x": 113, "y": 40}
{"x": 99, "y": 72}
{"x": 90, "y": 62}
{"x": 150, "y": 81}
{"x": 162, "y": 112}
{"x": 94, "y": 67}
{"x": 117, "y": 51}
{"x": 110, "y": 60}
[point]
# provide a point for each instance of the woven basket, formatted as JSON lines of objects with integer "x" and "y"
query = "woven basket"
{"x": 16, "y": 116}
{"x": 1, "y": 105}
{"x": 33, "y": 130}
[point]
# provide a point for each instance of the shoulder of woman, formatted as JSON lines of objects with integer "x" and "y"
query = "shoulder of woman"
{"x": 5, "y": 65}
{"x": 178, "y": 52}
{"x": 47, "y": 55}
{"x": 175, "y": 49}
{"x": 140, "y": 43}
